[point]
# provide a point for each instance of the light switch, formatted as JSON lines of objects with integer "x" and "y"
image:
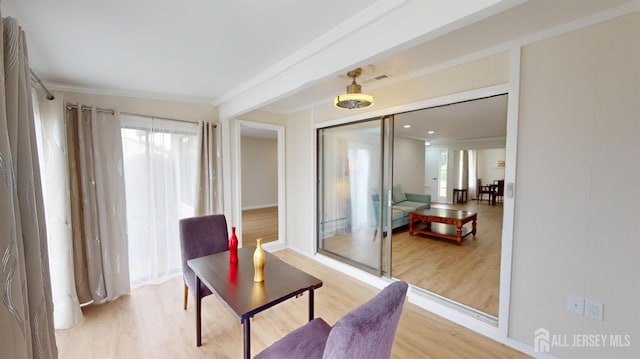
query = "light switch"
{"x": 509, "y": 193}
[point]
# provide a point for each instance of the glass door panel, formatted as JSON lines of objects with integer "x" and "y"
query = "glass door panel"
{"x": 350, "y": 193}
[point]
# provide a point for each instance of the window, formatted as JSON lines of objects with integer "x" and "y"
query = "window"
{"x": 159, "y": 159}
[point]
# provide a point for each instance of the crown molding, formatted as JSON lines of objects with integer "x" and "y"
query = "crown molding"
{"x": 133, "y": 94}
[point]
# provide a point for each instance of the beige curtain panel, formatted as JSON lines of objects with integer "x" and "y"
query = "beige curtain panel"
{"x": 209, "y": 171}
{"x": 98, "y": 213}
{"x": 26, "y": 321}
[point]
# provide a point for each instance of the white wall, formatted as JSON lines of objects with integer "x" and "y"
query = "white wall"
{"x": 300, "y": 152}
{"x": 488, "y": 169}
{"x": 408, "y": 164}
{"x": 259, "y": 172}
{"x": 577, "y": 194}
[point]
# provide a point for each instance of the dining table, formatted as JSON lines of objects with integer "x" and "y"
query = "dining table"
{"x": 233, "y": 283}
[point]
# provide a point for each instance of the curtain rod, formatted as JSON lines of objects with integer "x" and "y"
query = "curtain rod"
{"x": 37, "y": 80}
{"x": 158, "y": 118}
{"x": 50, "y": 97}
{"x": 163, "y": 118}
{"x": 88, "y": 108}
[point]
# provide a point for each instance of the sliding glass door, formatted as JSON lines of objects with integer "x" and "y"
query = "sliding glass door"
{"x": 423, "y": 155}
{"x": 351, "y": 193}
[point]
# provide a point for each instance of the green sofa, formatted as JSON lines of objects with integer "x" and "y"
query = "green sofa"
{"x": 403, "y": 203}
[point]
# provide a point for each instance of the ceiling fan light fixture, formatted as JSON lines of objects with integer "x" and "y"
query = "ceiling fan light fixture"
{"x": 354, "y": 98}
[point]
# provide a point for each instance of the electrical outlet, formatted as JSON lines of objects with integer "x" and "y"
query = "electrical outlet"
{"x": 575, "y": 304}
{"x": 594, "y": 310}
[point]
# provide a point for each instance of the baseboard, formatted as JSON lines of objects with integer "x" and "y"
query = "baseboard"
{"x": 274, "y": 246}
{"x": 261, "y": 206}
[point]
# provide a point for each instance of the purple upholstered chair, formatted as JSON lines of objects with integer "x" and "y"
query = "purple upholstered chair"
{"x": 367, "y": 332}
{"x": 199, "y": 237}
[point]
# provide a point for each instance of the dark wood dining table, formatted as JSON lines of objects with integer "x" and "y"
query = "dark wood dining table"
{"x": 233, "y": 284}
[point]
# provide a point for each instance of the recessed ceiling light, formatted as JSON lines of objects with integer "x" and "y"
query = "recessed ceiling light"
{"x": 407, "y": 126}
{"x": 427, "y": 143}
{"x": 431, "y": 132}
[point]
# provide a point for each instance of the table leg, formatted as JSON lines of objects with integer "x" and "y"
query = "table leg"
{"x": 311, "y": 304}
{"x": 410, "y": 224}
{"x": 198, "y": 313}
{"x": 247, "y": 337}
{"x": 459, "y": 233}
{"x": 473, "y": 231}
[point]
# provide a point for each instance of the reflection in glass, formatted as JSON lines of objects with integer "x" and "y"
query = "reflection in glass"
{"x": 468, "y": 144}
{"x": 349, "y": 174}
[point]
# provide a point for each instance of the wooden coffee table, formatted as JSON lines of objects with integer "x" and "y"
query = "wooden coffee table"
{"x": 449, "y": 217}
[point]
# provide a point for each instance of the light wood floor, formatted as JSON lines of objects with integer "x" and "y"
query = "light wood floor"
{"x": 468, "y": 274}
{"x": 150, "y": 323}
{"x": 259, "y": 223}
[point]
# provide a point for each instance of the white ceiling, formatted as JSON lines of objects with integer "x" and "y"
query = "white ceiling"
{"x": 189, "y": 49}
{"x": 467, "y": 121}
{"x": 204, "y": 50}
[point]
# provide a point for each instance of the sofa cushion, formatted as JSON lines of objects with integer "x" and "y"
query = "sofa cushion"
{"x": 397, "y": 214}
{"x": 416, "y": 197}
{"x": 398, "y": 194}
{"x": 409, "y": 206}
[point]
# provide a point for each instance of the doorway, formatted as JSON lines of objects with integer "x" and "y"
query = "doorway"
{"x": 432, "y": 160}
{"x": 261, "y": 181}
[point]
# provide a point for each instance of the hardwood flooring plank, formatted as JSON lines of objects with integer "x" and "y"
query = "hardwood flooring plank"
{"x": 259, "y": 223}
{"x": 150, "y": 323}
{"x": 468, "y": 274}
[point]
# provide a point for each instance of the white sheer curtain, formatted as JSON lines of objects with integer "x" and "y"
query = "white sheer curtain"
{"x": 98, "y": 212}
{"x": 26, "y": 321}
{"x": 52, "y": 148}
{"x": 463, "y": 169}
{"x": 160, "y": 167}
{"x": 209, "y": 170}
{"x": 473, "y": 173}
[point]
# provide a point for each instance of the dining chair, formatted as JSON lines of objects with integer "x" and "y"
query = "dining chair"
{"x": 366, "y": 332}
{"x": 483, "y": 189}
{"x": 199, "y": 237}
{"x": 499, "y": 193}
